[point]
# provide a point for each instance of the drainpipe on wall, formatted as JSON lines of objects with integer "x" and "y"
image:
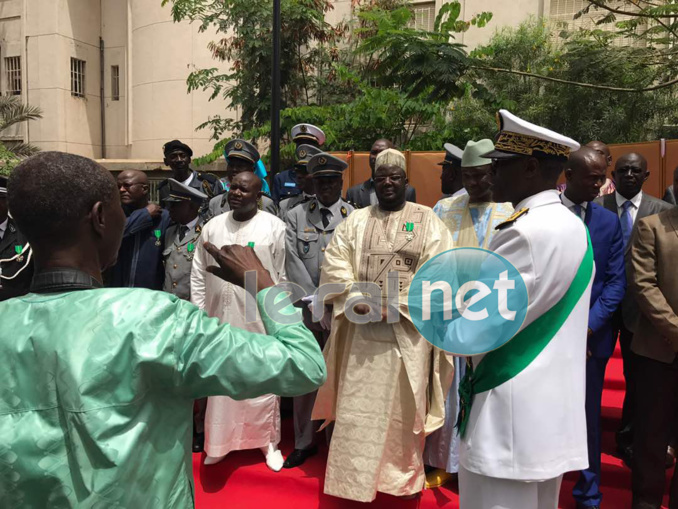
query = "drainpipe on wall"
{"x": 26, "y": 99}
{"x": 103, "y": 100}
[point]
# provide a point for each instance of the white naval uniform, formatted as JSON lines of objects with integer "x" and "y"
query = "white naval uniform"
{"x": 532, "y": 428}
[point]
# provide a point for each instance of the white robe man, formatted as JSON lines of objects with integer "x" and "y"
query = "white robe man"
{"x": 525, "y": 425}
{"x": 232, "y": 425}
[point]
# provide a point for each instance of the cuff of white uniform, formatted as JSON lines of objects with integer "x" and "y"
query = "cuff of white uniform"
{"x": 277, "y": 310}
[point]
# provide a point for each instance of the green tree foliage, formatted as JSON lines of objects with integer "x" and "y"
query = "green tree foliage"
{"x": 308, "y": 45}
{"x": 581, "y": 56}
{"x": 377, "y": 76}
{"x": 13, "y": 112}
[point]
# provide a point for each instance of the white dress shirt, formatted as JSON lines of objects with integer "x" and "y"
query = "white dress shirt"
{"x": 635, "y": 202}
{"x": 570, "y": 205}
{"x": 188, "y": 180}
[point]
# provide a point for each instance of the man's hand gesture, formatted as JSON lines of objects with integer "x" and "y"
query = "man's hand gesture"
{"x": 234, "y": 261}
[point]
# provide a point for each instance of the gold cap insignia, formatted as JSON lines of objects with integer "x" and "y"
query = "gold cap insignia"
{"x": 238, "y": 145}
{"x": 322, "y": 160}
{"x": 302, "y": 153}
{"x": 303, "y": 129}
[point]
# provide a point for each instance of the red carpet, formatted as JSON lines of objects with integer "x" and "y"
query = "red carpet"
{"x": 242, "y": 480}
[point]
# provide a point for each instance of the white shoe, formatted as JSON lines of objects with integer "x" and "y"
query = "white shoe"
{"x": 211, "y": 460}
{"x": 274, "y": 458}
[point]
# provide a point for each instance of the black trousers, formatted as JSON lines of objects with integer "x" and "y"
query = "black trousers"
{"x": 654, "y": 426}
{"x": 625, "y": 432}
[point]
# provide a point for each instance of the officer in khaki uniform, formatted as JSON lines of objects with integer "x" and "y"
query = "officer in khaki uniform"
{"x": 310, "y": 227}
{"x": 240, "y": 156}
{"x": 181, "y": 240}
{"x": 304, "y": 154}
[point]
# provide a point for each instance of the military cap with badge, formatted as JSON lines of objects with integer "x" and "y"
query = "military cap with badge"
{"x": 241, "y": 149}
{"x": 520, "y": 138}
{"x": 179, "y": 192}
{"x": 453, "y": 155}
{"x": 304, "y": 133}
{"x": 326, "y": 165}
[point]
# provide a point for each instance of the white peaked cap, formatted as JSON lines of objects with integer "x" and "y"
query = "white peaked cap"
{"x": 520, "y": 137}
{"x": 308, "y": 132}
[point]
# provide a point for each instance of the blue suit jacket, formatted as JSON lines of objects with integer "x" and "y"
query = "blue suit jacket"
{"x": 285, "y": 185}
{"x": 609, "y": 284}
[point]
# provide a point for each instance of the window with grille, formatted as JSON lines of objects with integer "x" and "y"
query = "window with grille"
{"x": 13, "y": 71}
{"x": 424, "y": 16}
{"x": 115, "y": 82}
{"x": 77, "y": 77}
{"x": 563, "y": 11}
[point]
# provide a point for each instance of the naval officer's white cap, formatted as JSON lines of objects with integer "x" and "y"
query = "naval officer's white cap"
{"x": 308, "y": 132}
{"x": 518, "y": 137}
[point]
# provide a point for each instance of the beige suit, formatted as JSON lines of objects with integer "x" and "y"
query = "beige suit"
{"x": 653, "y": 269}
{"x": 653, "y": 278}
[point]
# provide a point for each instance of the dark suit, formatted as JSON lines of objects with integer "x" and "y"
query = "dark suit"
{"x": 285, "y": 185}
{"x": 670, "y": 195}
{"x": 626, "y": 317}
{"x": 359, "y": 195}
{"x": 20, "y": 284}
{"x": 139, "y": 262}
{"x": 607, "y": 292}
{"x": 653, "y": 279}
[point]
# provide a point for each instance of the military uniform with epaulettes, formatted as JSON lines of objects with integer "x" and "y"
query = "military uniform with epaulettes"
{"x": 308, "y": 235}
{"x": 178, "y": 256}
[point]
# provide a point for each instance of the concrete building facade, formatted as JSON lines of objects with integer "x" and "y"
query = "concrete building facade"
{"x": 66, "y": 55}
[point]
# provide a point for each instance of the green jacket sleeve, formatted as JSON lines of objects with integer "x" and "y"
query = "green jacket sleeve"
{"x": 217, "y": 359}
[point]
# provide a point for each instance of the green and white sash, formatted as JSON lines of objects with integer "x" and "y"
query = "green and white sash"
{"x": 507, "y": 361}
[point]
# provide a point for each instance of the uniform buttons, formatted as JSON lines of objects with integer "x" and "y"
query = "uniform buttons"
{"x": 322, "y": 249}
{"x": 174, "y": 284}
{"x": 175, "y": 265}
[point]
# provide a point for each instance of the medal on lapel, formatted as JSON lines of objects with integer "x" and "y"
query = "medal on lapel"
{"x": 409, "y": 227}
{"x": 189, "y": 249}
{"x": 250, "y": 244}
{"x": 306, "y": 247}
{"x": 18, "y": 250}
{"x": 158, "y": 234}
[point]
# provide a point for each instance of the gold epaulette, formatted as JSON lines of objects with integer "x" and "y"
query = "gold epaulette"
{"x": 512, "y": 219}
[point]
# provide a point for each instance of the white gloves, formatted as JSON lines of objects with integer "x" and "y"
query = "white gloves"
{"x": 326, "y": 320}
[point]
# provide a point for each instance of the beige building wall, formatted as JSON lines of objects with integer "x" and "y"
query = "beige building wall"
{"x": 153, "y": 56}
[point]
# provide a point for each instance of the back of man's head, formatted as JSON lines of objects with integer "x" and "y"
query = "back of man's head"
{"x": 50, "y": 193}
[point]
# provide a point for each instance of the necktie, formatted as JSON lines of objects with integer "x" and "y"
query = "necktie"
{"x": 326, "y": 217}
{"x": 576, "y": 208}
{"x": 626, "y": 221}
{"x": 183, "y": 230}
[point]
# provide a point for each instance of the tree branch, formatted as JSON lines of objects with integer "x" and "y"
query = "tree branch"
{"x": 577, "y": 83}
{"x": 639, "y": 14}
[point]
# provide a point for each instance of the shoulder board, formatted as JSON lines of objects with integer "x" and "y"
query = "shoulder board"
{"x": 512, "y": 219}
{"x": 210, "y": 177}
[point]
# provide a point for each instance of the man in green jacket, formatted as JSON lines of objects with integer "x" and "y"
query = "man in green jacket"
{"x": 97, "y": 387}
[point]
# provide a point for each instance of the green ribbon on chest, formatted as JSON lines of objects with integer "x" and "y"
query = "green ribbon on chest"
{"x": 507, "y": 361}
